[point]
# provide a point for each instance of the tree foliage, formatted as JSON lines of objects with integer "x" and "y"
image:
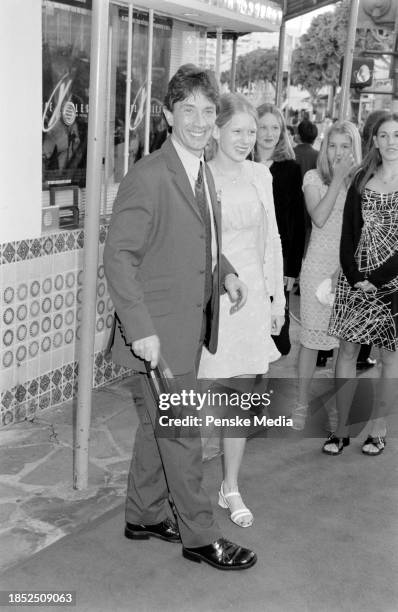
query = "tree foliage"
{"x": 257, "y": 65}
{"x": 316, "y": 60}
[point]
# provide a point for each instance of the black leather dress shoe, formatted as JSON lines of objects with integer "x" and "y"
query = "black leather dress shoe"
{"x": 222, "y": 554}
{"x": 166, "y": 530}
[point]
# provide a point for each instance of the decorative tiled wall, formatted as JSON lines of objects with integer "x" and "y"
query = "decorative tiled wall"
{"x": 40, "y": 317}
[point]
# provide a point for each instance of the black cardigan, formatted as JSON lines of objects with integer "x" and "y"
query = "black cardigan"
{"x": 350, "y": 236}
{"x": 289, "y": 210}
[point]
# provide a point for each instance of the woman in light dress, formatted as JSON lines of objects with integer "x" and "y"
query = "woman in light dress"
{"x": 366, "y": 305}
{"x": 325, "y": 191}
{"x": 251, "y": 243}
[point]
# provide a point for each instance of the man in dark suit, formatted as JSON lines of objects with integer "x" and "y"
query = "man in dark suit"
{"x": 165, "y": 272}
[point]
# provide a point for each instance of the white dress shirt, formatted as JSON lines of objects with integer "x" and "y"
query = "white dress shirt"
{"x": 191, "y": 165}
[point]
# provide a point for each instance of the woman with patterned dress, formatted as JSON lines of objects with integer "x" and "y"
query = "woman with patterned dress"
{"x": 366, "y": 303}
{"x": 251, "y": 243}
{"x": 324, "y": 190}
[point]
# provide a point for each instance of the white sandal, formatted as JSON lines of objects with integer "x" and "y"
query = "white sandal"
{"x": 236, "y": 516}
{"x": 299, "y": 416}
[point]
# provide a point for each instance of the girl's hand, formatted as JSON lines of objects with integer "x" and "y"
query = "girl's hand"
{"x": 288, "y": 282}
{"x": 277, "y": 322}
{"x": 237, "y": 292}
{"x": 366, "y": 286}
{"x": 335, "y": 277}
{"x": 344, "y": 167}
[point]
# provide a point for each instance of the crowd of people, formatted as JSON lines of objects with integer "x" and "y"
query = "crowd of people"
{"x": 201, "y": 258}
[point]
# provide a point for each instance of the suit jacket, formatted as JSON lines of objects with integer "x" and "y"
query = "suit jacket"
{"x": 154, "y": 262}
{"x": 306, "y": 157}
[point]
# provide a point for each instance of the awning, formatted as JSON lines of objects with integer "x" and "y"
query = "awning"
{"x": 295, "y": 8}
{"x": 232, "y": 16}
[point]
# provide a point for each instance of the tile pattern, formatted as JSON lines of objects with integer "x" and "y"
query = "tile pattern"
{"x": 23, "y": 401}
{"x": 47, "y": 244}
{"x": 41, "y": 296}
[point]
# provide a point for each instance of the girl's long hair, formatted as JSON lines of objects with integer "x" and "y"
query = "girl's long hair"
{"x": 231, "y": 104}
{"x": 367, "y": 140}
{"x": 324, "y": 168}
{"x": 283, "y": 149}
{"x": 373, "y": 160}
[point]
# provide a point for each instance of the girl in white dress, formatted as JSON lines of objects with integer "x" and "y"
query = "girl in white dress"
{"x": 251, "y": 243}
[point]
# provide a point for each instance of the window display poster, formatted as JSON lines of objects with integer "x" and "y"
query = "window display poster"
{"x": 162, "y": 33}
{"x": 66, "y": 72}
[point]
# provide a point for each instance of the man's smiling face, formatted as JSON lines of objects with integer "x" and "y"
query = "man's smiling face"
{"x": 192, "y": 121}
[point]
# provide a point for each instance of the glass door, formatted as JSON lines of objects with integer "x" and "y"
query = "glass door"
{"x": 127, "y": 94}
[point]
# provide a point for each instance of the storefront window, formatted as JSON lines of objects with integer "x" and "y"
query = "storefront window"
{"x": 66, "y": 74}
{"x": 66, "y": 67}
{"x": 139, "y": 86}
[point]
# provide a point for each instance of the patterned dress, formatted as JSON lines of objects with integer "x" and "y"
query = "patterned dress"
{"x": 371, "y": 318}
{"x": 321, "y": 262}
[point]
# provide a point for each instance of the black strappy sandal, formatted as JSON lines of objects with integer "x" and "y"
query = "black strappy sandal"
{"x": 378, "y": 442}
{"x": 334, "y": 441}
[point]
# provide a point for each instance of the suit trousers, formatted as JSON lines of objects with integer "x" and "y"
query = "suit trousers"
{"x": 164, "y": 467}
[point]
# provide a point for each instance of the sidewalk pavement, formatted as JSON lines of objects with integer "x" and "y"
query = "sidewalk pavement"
{"x": 38, "y": 504}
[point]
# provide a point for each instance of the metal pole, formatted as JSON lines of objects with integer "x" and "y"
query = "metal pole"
{"x": 149, "y": 85}
{"x": 394, "y": 67}
{"x": 331, "y": 99}
{"x": 233, "y": 63}
{"x": 348, "y": 57}
{"x": 95, "y": 151}
{"x": 285, "y": 110}
{"x": 107, "y": 167}
{"x": 128, "y": 91}
{"x": 281, "y": 53}
{"x": 218, "y": 53}
{"x": 359, "y": 111}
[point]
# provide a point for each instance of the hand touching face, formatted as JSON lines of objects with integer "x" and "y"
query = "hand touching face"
{"x": 340, "y": 155}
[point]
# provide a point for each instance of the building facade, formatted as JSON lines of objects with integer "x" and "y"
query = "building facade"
{"x": 45, "y": 68}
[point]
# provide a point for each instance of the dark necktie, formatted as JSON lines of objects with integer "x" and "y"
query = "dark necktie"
{"x": 200, "y": 196}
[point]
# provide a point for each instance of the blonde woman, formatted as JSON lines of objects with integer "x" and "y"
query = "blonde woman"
{"x": 251, "y": 243}
{"x": 325, "y": 191}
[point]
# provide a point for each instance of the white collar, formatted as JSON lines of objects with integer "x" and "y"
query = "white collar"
{"x": 190, "y": 161}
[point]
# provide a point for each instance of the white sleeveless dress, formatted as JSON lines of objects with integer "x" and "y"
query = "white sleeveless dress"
{"x": 245, "y": 345}
{"x": 322, "y": 260}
